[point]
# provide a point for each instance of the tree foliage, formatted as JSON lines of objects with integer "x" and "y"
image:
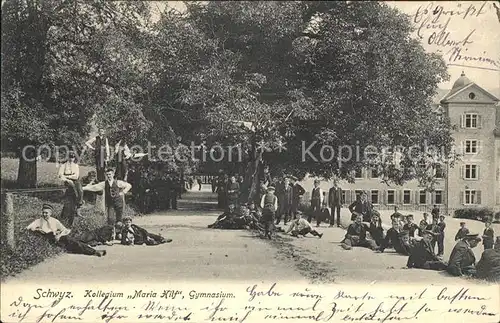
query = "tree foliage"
{"x": 335, "y": 73}
{"x": 330, "y": 72}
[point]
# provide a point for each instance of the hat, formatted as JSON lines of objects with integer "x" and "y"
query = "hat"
{"x": 474, "y": 236}
{"x": 375, "y": 212}
{"x": 271, "y": 188}
{"x": 410, "y": 216}
{"x": 462, "y": 223}
{"x": 47, "y": 207}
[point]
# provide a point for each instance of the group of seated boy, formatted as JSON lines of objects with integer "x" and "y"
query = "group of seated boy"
{"x": 126, "y": 232}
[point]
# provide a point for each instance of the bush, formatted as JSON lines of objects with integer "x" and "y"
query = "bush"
{"x": 496, "y": 217}
{"x": 480, "y": 214}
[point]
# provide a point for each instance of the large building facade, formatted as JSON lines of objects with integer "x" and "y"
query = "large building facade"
{"x": 474, "y": 181}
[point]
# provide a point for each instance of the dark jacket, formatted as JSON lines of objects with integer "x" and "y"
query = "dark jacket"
{"x": 141, "y": 236}
{"x": 488, "y": 266}
{"x": 335, "y": 197}
{"x": 377, "y": 233}
{"x": 488, "y": 237}
{"x": 298, "y": 191}
{"x": 411, "y": 228}
{"x": 420, "y": 254}
{"x": 392, "y": 237}
{"x": 364, "y": 208}
{"x": 441, "y": 227}
{"x": 357, "y": 231}
{"x": 461, "y": 233}
{"x": 98, "y": 236}
{"x": 462, "y": 256}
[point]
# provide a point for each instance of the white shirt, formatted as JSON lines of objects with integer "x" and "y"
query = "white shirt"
{"x": 300, "y": 224}
{"x": 48, "y": 226}
{"x": 69, "y": 170}
{"x": 99, "y": 187}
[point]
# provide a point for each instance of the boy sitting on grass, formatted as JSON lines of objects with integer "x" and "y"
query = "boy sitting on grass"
{"x": 56, "y": 233}
{"x": 300, "y": 226}
{"x": 132, "y": 234}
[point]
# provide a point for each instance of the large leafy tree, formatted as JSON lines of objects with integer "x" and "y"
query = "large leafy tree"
{"x": 339, "y": 73}
{"x": 59, "y": 66}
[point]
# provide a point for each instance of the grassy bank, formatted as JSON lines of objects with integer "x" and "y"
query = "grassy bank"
{"x": 31, "y": 249}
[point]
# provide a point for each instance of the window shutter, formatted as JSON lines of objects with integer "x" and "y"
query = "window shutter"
{"x": 384, "y": 197}
{"x": 462, "y": 197}
{"x": 353, "y": 196}
{"x": 479, "y": 121}
{"x": 478, "y": 176}
{"x": 417, "y": 197}
{"x": 479, "y": 147}
{"x": 462, "y": 147}
{"x": 462, "y": 121}
{"x": 462, "y": 171}
{"x": 433, "y": 197}
{"x": 401, "y": 197}
{"x": 443, "y": 198}
{"x": 478, "y": 197}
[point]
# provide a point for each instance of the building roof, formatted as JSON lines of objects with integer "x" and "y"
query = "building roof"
{"x": 460, "y": 84}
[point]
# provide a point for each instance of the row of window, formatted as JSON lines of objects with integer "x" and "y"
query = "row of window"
{"x": 373, "y": 172}
{"x": 393, "y": 197}
{"x": 468, "y": 171}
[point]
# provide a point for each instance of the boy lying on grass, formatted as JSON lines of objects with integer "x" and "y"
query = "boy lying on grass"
{"x": 132, "y": 234}
{"x": 53, "y": 230}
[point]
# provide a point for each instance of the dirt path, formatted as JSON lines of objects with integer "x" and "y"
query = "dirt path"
{"x": 199, "y": 253}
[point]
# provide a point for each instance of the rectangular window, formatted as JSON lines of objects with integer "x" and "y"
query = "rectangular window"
{"x": 471, "y": 171}
{"x": 422, "y": 197}
{"x": 470, "y": 120}
{"x": 406, "y": 197}
{"x": 471, "y": 146}
{"x": 374, "y": 197}
{"x": 470, "y": 197}
{"x": 358, "y": 193}
{"x": 374, "y": 173}
{"x": 358, "y": 173}
{"x": 391, "y": 197}
{"x": 438, "y": 197}
{"x": 439, "y": 171}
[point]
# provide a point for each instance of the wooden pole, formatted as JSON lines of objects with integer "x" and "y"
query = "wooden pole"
{"x": 9, "y": 220}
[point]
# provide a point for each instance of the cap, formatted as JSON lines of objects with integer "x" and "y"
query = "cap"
{"x": 127, "y": 218}
{"x": 375, "y": 212}
{"x": 271, "y": 188}
{"x": 462, "y": 222}
{"x": 410, "y": 216}
{"x": 47, "y": 207}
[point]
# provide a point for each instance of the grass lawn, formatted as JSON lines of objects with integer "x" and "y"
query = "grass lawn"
{"x": 46, "y": 173}
{"x": 30, "y": 249}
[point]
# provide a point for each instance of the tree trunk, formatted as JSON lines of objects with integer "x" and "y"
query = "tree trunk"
{"x": 27, "y": 174}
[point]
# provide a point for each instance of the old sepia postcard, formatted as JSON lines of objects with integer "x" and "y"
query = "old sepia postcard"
{"x": 250, "y": 161}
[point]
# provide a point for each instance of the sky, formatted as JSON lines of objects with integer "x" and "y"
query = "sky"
{"x": 465, "y": 33}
